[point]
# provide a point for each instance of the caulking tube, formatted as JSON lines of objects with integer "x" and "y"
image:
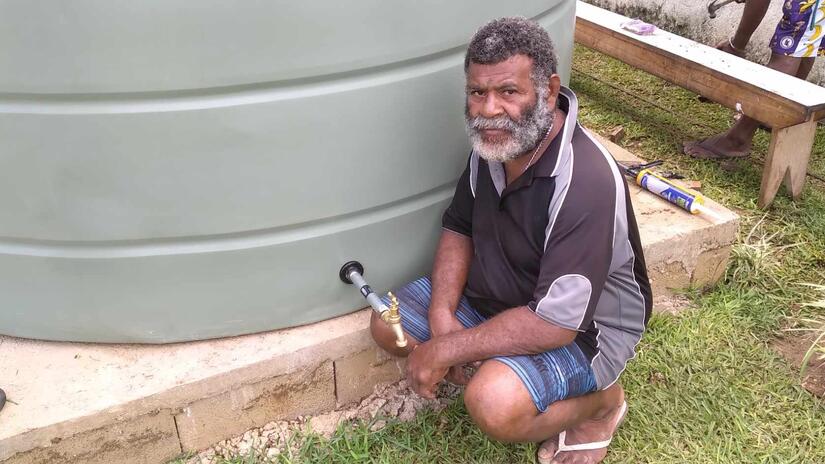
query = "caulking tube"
{"x": 687, "y": 199}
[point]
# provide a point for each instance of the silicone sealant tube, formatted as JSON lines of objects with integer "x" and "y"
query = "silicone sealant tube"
{"x": 688, "y": 200}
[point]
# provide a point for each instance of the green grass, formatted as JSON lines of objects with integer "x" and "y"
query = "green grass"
{"x": 705, "y": 386}
{"x": 815, "y": 327}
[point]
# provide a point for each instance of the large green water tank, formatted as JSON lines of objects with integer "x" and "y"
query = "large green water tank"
{"x": 174, "y": 170}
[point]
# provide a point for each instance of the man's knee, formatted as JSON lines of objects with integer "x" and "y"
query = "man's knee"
{"x": 499, "y": 403}
{"x": 385, "y": 338}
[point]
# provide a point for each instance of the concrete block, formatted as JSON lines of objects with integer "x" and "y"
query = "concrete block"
{"x": 213, "y": 419}
{"x": 147, "y": 439}
{"x": 681, "y": 250}
{"x": 665, "y": 277}
{"x": 356, "y": 376}
{"x": 710, "y": 267}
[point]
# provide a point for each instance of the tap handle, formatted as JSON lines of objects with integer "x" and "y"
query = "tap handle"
{"x": 393, "y": 319}
{"x": 393, "y": 303}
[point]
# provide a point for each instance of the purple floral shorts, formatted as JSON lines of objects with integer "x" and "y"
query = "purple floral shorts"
{"x": 799, "y": 32}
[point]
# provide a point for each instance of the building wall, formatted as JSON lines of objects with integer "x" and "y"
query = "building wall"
{"x": 691, "y": 19}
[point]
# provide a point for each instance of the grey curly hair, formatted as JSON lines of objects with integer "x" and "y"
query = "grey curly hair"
{"x": 503, "y": 38}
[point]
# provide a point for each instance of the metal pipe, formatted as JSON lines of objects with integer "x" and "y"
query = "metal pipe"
{"x": 352, "y": 273}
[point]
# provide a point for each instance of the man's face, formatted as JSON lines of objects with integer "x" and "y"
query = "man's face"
{"x": 506, "y": 115}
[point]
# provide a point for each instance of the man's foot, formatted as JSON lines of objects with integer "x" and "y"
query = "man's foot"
{"x": 716, "y": 147}
{"x": 591, "y": 432}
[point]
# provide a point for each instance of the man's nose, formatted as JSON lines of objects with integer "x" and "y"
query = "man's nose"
{"x": 491, "y": 107}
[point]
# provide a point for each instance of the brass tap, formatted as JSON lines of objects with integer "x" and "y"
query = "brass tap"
{"x": 393, "y": 319}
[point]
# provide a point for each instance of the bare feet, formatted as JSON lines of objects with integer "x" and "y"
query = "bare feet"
{"x": 717, "y": 147}
{"x": 547, "y": 450}
{"x": 599, "y": 429}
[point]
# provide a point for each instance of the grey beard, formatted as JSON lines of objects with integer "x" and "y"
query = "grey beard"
{"x": 525, "y": 135}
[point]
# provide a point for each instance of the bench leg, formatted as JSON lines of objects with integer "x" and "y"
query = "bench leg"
{"x": 787, "y": 160}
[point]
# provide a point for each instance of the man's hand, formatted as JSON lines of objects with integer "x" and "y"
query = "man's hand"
{"x": 423, "y": 370}
{"x": 443, "y": 323}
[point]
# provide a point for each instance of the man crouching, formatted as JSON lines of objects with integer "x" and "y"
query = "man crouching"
{"x": 539, "y": 271}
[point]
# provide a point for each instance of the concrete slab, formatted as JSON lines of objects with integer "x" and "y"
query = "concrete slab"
{"x": 62, "y": 390}
{"x": 681, "y": 250}
{"x": 209, "y": 420}
{"x": 137, "y": 404}
{"x": 146, "y": 439}
{"x": 357, "y": 375}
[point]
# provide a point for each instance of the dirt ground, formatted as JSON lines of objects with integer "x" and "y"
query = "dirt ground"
{"x": 793, "y": 349}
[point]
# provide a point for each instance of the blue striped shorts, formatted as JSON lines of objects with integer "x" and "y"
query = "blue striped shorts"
{"x": 549, "y": 377}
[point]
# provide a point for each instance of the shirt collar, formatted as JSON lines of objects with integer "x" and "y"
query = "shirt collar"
{"x": 557, "y": 153}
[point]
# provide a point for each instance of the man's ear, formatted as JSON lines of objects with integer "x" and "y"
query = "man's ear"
{"x": 554, "y": 87}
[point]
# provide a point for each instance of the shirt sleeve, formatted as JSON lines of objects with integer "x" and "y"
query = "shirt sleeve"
{"x": 576, "y": 259}
{"x": 459, "y": 215}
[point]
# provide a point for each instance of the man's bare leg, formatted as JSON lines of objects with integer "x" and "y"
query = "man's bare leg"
{"x": 385, "y": 338}
{"x": 502, "y": 407}
{"x": 500, "y": 404}
{"x": 736, "y": 141}
{"x": 752, "y": 16}
{"x": 805, "y": 67}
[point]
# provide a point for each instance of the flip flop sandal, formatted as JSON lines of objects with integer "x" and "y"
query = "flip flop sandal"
{"x": 712, "y": 153}
{"x": 562, "y": 446}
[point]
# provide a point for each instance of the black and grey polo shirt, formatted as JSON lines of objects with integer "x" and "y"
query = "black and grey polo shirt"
{"x": 560, "y": 239}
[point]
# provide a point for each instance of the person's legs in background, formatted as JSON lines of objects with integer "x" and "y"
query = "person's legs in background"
{"x": 752, "y": 16}
{"x": 797, "y": 39}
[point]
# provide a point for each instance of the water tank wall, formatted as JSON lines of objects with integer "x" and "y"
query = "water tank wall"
{"x": 175, "y": 170}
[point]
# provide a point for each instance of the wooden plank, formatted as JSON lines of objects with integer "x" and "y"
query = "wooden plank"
{"x": 787, "y": 160}
{"x": 804, "y": 93}
{"x": 764, "y": 94}
{"x": 818, "y": 115}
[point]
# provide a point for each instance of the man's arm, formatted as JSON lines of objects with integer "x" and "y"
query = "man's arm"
{"x": 516, "y": 331}
{"x": 453, "y": 257}
{"x": 752, "y": 16}
{"x": 452, "y": 264}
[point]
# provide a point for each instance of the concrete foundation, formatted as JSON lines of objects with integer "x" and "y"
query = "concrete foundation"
{"x": 93, "y": 403}
{"x": 691, "y": 19}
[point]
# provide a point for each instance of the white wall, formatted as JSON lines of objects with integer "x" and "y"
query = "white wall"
{"x": 690, "y": 19}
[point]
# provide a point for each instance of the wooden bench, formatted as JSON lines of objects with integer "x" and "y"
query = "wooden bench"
{"x": 789, "y": 105}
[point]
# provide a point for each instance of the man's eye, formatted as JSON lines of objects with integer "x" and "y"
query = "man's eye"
{"x": 476, "y": 93}
{"x": 509, "y": 92}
